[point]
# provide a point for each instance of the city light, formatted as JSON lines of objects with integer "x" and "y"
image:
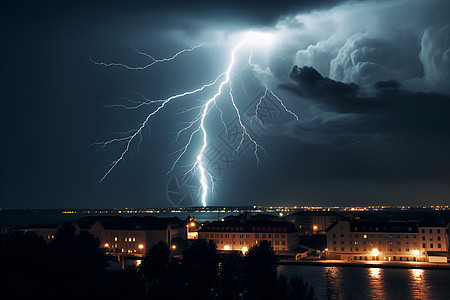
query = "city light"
{"x": 226, "y": 247}
{"x": 141, "y": 246}
{"x": 315, "y": 227}
{"x": 174, "y": 247}
{"x": 375, "y": 252}
{"x": 192, "y": 224}
{"x": 415, "y": 252}
{"x": 106, "y": 245}
{"x": 244, "y": 250}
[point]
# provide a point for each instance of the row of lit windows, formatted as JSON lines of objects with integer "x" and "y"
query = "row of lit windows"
{"x": 371, "y": 243}
{"x": 263, "y": 235}
{"x": 126, "y": 239}
{"x": 277, "y": 229}
{"x": 246, "y": 242}
{"x": 365, "y": 236}
{"x": 390, "y": 249}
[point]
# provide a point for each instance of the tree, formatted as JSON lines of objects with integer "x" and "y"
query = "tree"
{"x": 260, "y": 272}
{"x": 23, "y": 264}
{"x": 200, "y": 266}
{"x": 162, "y": 273}
{"x": 230, "y": 277}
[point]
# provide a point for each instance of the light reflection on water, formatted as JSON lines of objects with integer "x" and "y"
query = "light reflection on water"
{"x": 376, "y": 281}
{"x": 373, "y": 283}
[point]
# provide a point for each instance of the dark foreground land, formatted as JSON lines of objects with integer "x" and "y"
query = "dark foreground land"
{"x": 73, "y": 266}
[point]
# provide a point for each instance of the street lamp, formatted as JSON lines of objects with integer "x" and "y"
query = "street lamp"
{"x": 326, "y": 253}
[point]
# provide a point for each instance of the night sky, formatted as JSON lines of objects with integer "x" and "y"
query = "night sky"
{"x": 369, "y": 80}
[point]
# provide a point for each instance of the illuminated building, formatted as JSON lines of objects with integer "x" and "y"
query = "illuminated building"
{"x": 192, "y": 227}
{"x": 387, "y": 241}
{"x": 136, "y": 235}
{"x": 240, "y": 234}
{"x": 122, "y": 235}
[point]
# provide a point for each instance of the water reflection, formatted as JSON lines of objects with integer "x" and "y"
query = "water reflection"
{"x": 419, "y": 286}
{"x": 372, "y": 283}
{"x": 376, "y": 283}
{"x": 375, "y": 273}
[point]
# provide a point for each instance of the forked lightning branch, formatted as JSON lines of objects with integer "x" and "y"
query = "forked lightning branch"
{"x": 221, "y": 88}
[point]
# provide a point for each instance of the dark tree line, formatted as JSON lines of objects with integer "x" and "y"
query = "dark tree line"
{"x": 72, "y": 266}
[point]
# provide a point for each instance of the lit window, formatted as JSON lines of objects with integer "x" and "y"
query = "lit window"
{"x": 365, "y": 236}
{"x": 134, "y": 239}
{"x": 115, "y": 239}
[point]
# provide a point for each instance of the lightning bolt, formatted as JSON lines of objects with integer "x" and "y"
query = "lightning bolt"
{"x": 223, "y": 82}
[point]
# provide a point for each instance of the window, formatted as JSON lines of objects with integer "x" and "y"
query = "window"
{"x": 334, "y": 234}
{"x": 439, "y": 245}
{"x": 439, "y": 238}
{"x": 424, "y": 246}
{"x": 269, "y": 236}
{"x": 342, "y": 249}
{"x": 407, "y": 249}
{"x": 423, "y": 238}
{"x": 342, "y": 242}
{"x": 431, "y": 230}
{"x": 334, "y": 248}
{"x": 264, "y": 236}
{"x": 431, "y": 245}
{"x": 438, "y": 231}
{"x": 342, "y": 235}
{"x": 257, "y": 235}
{"x": 115, "y": 239}
{"x": 423, "y": 230}
{"x": 334, "y": 242}
{"x": 283, "y": 242}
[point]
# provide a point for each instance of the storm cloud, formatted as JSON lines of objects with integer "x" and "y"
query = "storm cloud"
{"x": 368, "y": 79}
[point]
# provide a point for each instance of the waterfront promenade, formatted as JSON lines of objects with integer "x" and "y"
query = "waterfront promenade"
{"x": 369, "y": 264}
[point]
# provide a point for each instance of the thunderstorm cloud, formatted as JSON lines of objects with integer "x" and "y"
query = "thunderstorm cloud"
{"x": 369, "y": 81}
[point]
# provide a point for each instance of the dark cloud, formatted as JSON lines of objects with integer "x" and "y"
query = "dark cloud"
{"x": 375, "y": 136}
{"x": 394, "y": 135}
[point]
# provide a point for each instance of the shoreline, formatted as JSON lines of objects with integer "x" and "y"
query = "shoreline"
{"x": 375, "y": 264}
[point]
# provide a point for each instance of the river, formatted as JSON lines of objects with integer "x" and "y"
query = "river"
{"x": 372, "y": 283}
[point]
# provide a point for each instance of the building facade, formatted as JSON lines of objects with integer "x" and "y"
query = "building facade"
{"x": 240, "y": 235}
{"x": 122, "y": 235}
{"x": 387, "y": 241}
